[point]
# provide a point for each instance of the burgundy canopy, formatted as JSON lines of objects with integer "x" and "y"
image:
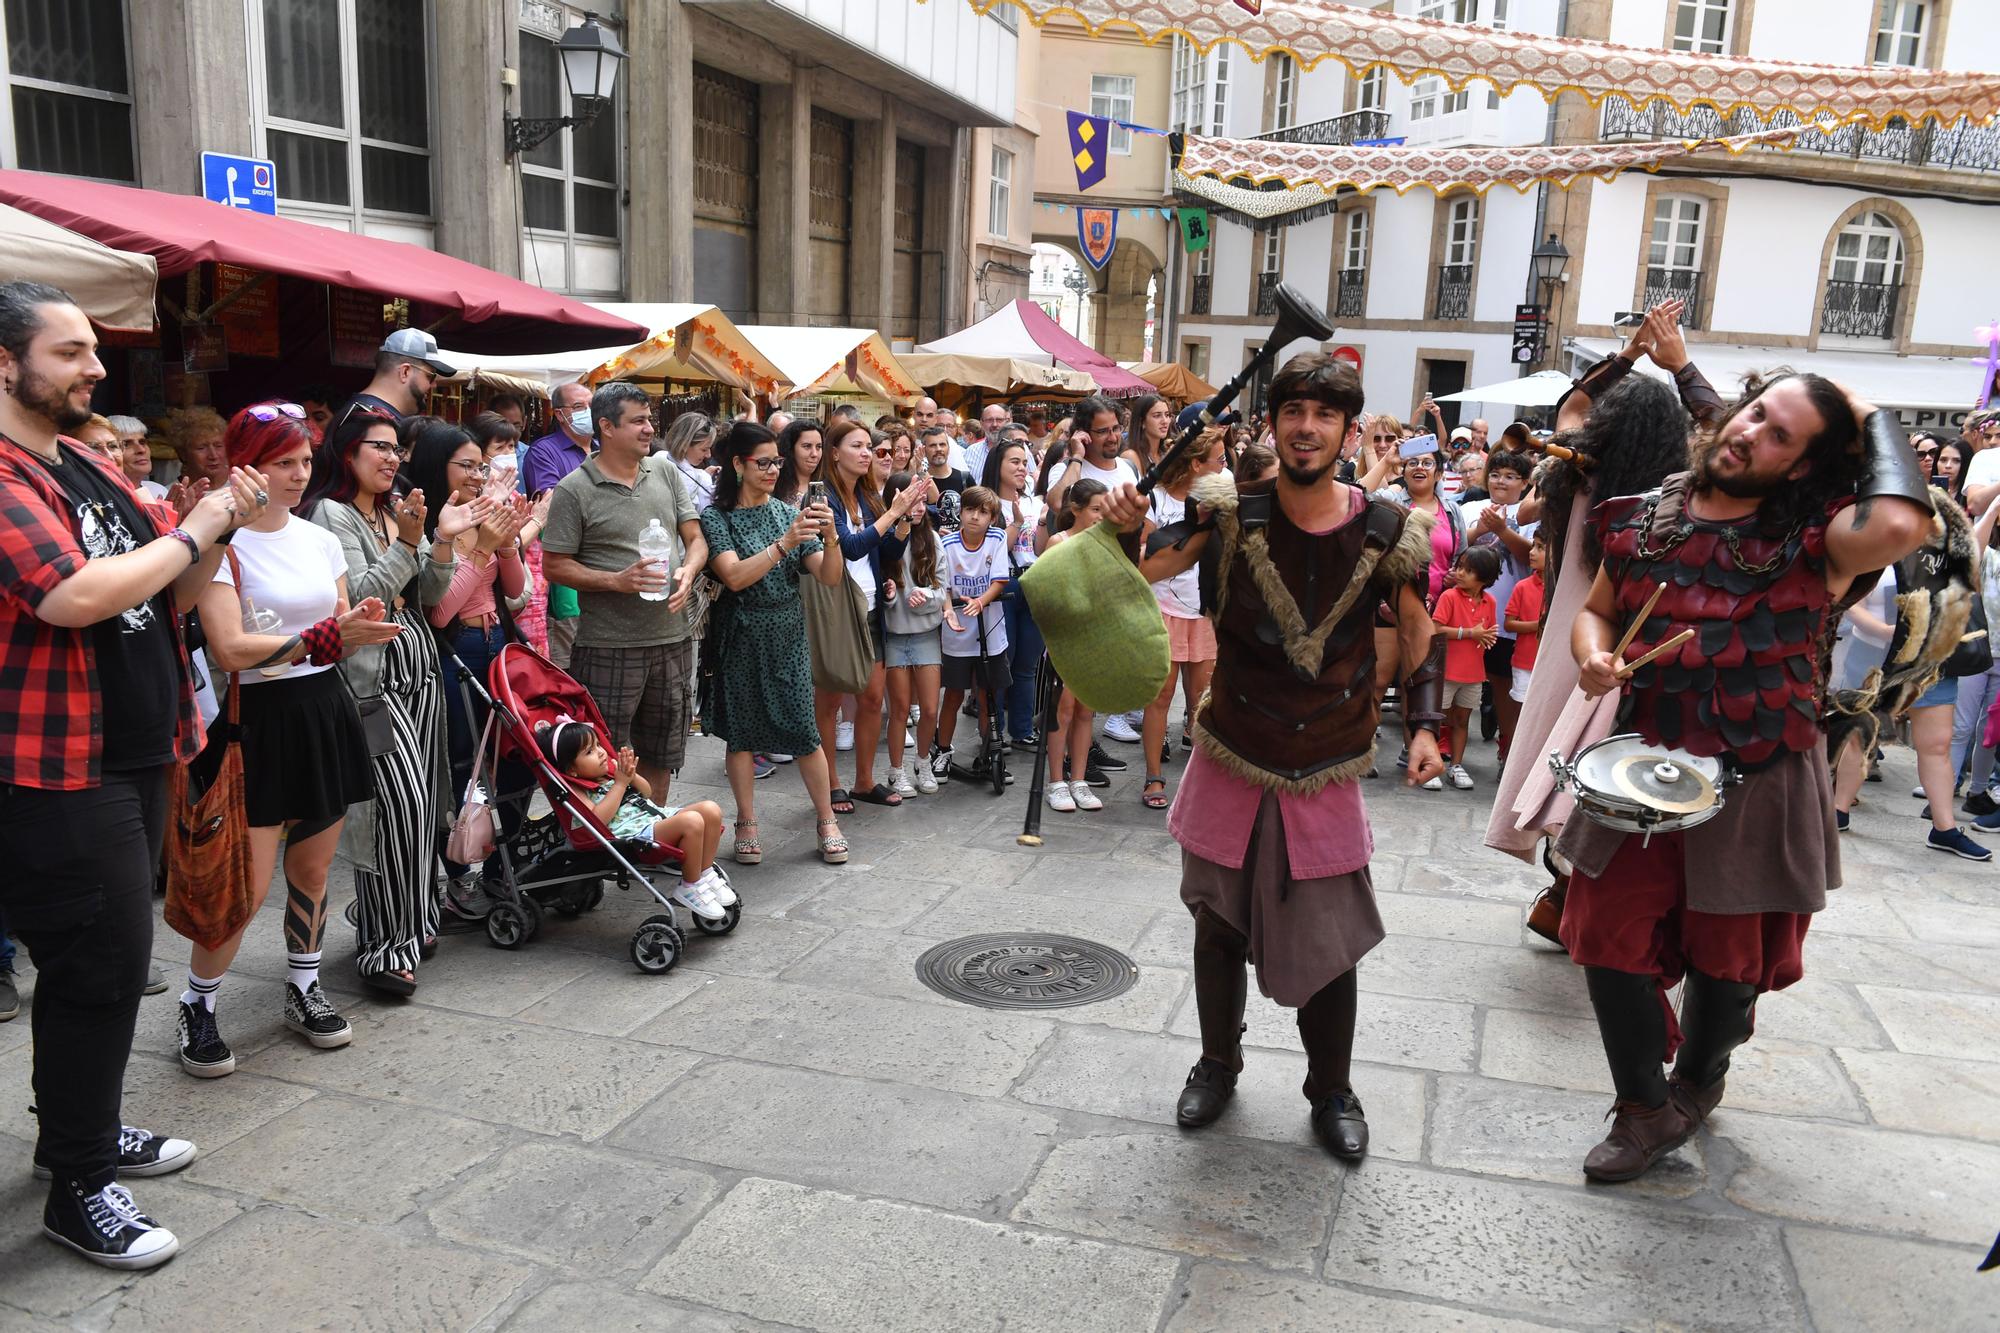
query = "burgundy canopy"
{"x": 495, "y": 314}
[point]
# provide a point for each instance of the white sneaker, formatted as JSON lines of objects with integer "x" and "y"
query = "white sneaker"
{"x": 1061, "y": 799}
{"x": 1435, "y": 784}
{"x": 899, "y": 782}
{"x": 697, "y": 899}
{"x": 1085, "y": 798}
{"x": 915, "y": 713}
{"x": 909, "y": 740}
{"x": 843, "y": 736}
{"x": 717, "y": 884}
{"x": 1116, "y": 728}
{"x": 1460, "y": 778}
{"x": 941, "y": 764}
{"x": 920, "y": 773}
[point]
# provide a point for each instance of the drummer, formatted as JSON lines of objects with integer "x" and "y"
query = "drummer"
{"x": 1796, "y": 491}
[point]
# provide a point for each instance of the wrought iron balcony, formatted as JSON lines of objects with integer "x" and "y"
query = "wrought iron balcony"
{"x": 1267, "y": 293}
{"x": 1350, "y": 128}
{"x": 1198, "y": 287}
{"x": 1454, "y": 299}
{"x": 1861, "y": 309}
{"x": 1675, "y": 284}
{"x": 1350, "y": 296}
{"x": 1961, "y": 146}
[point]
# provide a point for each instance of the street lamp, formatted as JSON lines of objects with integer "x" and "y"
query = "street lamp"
{"x": 1078, "y": 282}
{"x": 590, "y": 56}
{"x": 1548, "y": 264}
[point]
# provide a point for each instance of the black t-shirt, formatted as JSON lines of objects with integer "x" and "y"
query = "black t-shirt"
{"x": 950, "y": 486}
{"x": 138, "y": 667}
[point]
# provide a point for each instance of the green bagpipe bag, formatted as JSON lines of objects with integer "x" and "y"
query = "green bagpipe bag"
{"x": 1102, "y": 625}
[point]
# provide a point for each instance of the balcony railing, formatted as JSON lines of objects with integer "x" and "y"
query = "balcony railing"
{"x": 1350, "y": 128}
{"x": 1861, "y": 309}
{"x": 1675, "y": 284}
{"x": 1198, "y": 294}
{"x": 1454, "y": 299}
{"x": 1961, "y": 146}
{"x": 1267, "y": 293}
{"x": 1350, "y": 297}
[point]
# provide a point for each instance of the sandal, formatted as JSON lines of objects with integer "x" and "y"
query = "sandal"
{"x": 878, "y": 795}
{"x": 390, "y": 982}
{"x": 748, "y": 851}
{"x": 428, "y": 949}
{"x": 1154, "y": 800}
{"x": 842, "y": 803}
{"x": 833, "y": 847}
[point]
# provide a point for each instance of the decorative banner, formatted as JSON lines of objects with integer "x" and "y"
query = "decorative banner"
{"x": 1195, "y": 231}
{"x": 1460, "y": 53}
{"x": 1097, "y": 234}
{"x": 1089, "y": 147}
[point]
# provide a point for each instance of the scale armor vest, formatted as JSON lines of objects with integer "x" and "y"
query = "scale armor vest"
{"x": 1748, "y": 683}
{"x": 1292, "y": 703}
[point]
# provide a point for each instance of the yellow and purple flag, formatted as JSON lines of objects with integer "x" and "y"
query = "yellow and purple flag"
{"x": 1089, "y": 147}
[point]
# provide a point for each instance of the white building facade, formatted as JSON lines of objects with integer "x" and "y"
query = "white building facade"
{"x": 1857, "y": 254}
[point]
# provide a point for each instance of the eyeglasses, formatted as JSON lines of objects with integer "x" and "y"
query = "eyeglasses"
{"x": 391, "y": 447}
{"x": 1419, "y": 465}
{"x": 476, "y": 469}
{"x": 765, "y": 464}
{"x": 272, "y": 411}
{"x": 887, "y": 451}
{"x": 1105, "y": 430}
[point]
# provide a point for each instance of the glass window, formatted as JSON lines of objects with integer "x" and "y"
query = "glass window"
{"x": 1356, "y": 255}
{"x": 1461, "y": 243}
{"x": 1285, "y": 75}
{"x": 1448, "y": 11}
{"x": 1187, "y": 86}
{"x": 1677, "y": 232}
{"x": 1900, "y": 32}
{"x": 1498, "y": 18}
{"x": 1869, "y": 249}
{"x": 1111, "y": 96}
{"x": 1273, "y": 251}
{"x": 395, "y": 94}
{"x": 574, "y": 172}
{"x": 303, "y": 62}
{"x": 1204, "y": 260}
{"x": 1428, "y": 98}
{"x": 69, "y": 104}
{"x": 997, "y": 204}
{"x": 1372, "y": 93}
{"x": 1219, "y": 89}
{"x": 1703, "y": 26}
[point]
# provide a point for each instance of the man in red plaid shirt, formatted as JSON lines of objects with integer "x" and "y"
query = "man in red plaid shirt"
{"x": 95, "y": 679}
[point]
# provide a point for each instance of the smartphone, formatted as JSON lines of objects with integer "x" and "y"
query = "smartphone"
{"x": 1630, "y": 319}
{"x": 816, "y": 494}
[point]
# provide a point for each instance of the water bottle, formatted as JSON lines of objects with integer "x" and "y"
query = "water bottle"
{"x": 262, "y": 620}
{"x": 656, "y": 548}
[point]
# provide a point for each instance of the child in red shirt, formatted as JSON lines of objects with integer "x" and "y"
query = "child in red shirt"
{"x": 1524, "y": 619}
{"x": 1466, "y": 617}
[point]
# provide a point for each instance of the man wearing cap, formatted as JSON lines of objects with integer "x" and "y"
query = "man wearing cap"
{"x": 406, "y": 369}
{"x": 548, "y": 460}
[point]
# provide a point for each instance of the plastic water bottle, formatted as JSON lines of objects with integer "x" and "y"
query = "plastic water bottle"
{"x": 656, "y": 548}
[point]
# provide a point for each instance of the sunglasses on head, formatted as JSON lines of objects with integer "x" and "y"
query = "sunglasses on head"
{"x": 272, "y": 411}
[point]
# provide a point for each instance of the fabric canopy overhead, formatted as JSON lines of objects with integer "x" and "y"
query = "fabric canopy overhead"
{"x": 1023, "y": 330}
{"x": 1460, "y": 53}
{"x": 1946, "y": 385}
{"x": 690, "y": 341}
{"x": 114, "y": 288}
{"x": 853, "y": 363}
{"x": 1541, "y": 389}
{"x": 954, "y": 380}
{"x": 484, "y": 311}
{"x": 1172, "y": 380}
{"x": 1298, "y": 175}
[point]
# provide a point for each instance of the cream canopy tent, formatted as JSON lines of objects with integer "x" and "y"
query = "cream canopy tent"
{"x": 955, "y": 380}
{"x": 838, "y": 362}
{"x": 114, "y": 288}
{"x": 1021, "y": 329}
{"x": 1172, "y": 379}
{"x": 691, "y": 342}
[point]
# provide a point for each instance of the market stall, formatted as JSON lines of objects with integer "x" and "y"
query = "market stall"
{"x": 1022, "y": 330}
{"x": 1172, "y": 380}
{"x": 967, "y": 383}
{"x": 834, "y": 363}
{"x": 114, "y": 288}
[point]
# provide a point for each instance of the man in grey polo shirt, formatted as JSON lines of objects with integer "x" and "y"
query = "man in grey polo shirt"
{"x": 635, "y": 656}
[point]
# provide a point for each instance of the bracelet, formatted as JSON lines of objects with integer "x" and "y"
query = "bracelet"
{"x": 186, "y": 538}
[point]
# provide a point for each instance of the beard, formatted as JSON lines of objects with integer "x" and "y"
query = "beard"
{"x": 1747, "y": 485}
{"x": 1304, "y": 476}
{"x": 40, "y": 395}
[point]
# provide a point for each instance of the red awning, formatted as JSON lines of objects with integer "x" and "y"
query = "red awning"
{"x": 495, "y": 314}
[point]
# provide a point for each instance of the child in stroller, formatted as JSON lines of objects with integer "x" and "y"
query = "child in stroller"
{"x": 622, "y": 800}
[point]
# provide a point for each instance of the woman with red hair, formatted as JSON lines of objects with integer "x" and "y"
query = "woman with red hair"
{"x": 278, "y": 613}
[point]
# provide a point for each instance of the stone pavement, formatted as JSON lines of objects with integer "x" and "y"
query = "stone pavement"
{"x": 790, "y": 1131}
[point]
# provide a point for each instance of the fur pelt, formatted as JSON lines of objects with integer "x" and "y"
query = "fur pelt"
{"x": 1929, "y": 626}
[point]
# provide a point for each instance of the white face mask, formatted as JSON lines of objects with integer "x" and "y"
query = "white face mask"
{"x": 579, "y": 420}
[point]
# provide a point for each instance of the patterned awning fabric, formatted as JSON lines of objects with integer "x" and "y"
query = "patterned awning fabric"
{"x": 1361, "y": 39}
{"x": 1262, "y": 178}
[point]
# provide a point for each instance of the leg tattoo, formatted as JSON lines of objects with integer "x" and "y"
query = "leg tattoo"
{"x": 305, "y": 919}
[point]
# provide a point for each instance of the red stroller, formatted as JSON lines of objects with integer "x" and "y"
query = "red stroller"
{"x": 562, "y": 860}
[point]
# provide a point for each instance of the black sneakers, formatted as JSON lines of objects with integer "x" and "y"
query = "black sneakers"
{"x": 10, "y": 996}
{"x": 106, "y": 1227}
{"x": 203, "y": 1051}
{"x": 1104, "y": 759}
{"x": 141, "y": 1153}
{"x": 313, "y": 1017}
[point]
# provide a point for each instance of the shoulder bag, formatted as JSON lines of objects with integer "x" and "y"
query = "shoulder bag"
{"x": 843, "y": 651}
{"x": 472, "y": 836}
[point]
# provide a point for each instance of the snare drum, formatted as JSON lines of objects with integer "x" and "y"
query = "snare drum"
{"x": 1625, "y": 782}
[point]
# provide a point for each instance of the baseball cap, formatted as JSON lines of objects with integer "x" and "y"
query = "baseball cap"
{"x": 418, "y": 346}
{"x": 1462, "y": 433}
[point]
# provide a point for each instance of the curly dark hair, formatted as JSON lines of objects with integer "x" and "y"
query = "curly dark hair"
{"x": 1836, "y": 455}
{"x": 1635, "y": 438}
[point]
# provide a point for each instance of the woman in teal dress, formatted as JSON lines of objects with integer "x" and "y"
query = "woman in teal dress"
{"x": 761, "y": 698}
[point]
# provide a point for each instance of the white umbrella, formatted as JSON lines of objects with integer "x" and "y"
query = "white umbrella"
{"x": 113, "y": 287}
{"x": 1541, "y": 389}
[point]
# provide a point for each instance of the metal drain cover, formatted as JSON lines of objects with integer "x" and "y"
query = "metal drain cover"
{"x": 1020, "y": 971}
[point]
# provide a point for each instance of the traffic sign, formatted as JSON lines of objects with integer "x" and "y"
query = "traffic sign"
{"x": 240, "y": 182}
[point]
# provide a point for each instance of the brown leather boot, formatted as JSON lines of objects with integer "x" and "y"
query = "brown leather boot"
{"x": 1545, "y": 917}
{"x": 1696, "y": 1100}
{"x": 1640, "y": 1136}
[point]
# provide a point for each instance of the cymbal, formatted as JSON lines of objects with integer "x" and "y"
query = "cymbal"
{"x": 1663, "y": 784}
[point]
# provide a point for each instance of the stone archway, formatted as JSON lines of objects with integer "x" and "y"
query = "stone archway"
{"x": 1116, "y": 324}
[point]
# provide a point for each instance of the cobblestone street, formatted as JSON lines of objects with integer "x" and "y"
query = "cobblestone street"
{"x": 791, "y": 1131}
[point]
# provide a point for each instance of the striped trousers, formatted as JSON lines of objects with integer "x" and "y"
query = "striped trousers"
{"x": 398, "y": 901}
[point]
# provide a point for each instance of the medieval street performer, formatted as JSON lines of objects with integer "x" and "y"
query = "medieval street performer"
{"x": 1275, "y": 839}
{"x": 1796, "y": 491}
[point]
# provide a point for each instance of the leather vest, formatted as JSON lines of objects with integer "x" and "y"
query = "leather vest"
{"x": 1292, "y": 704}
{"x": 1748, "y": 683}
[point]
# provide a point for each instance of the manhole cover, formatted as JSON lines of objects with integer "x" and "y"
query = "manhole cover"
{"x": 1018, "y": 971}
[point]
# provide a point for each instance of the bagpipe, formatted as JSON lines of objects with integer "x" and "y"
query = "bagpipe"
{"x": 1105, "y": 637}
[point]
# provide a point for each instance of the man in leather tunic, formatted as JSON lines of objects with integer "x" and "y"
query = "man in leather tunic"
{"x": 1797, "y": 491}
{"x": 1269, "y": 815}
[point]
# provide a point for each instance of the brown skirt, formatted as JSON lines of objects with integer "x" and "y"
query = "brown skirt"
{"x": 1303, "y": 933}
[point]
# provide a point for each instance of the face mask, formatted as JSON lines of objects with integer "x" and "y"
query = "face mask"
{"x": 579, "y": 421}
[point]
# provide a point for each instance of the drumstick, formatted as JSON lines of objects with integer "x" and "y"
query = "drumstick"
{"x": 1668, "y": 646}
{"x": 1632, "y": 630}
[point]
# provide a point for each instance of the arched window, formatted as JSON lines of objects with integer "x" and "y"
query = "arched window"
{"x": 1865, "y": 283}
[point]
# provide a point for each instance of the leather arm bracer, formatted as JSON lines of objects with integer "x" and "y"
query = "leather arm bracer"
{"x": 1892, "y": 468}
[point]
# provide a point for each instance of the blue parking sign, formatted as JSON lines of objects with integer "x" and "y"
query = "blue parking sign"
{"x": 240, "y": 182}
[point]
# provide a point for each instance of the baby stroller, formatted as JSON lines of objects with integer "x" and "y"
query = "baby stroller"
{"x": 562, "y": 859}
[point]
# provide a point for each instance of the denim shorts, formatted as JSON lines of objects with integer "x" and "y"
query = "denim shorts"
{"x": 1945, "y": 692}
{"x": 925, "y": 648}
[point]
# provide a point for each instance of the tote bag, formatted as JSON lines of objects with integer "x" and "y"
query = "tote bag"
{"x": 843, "y": 651}
{"x": 209, "y": 893}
